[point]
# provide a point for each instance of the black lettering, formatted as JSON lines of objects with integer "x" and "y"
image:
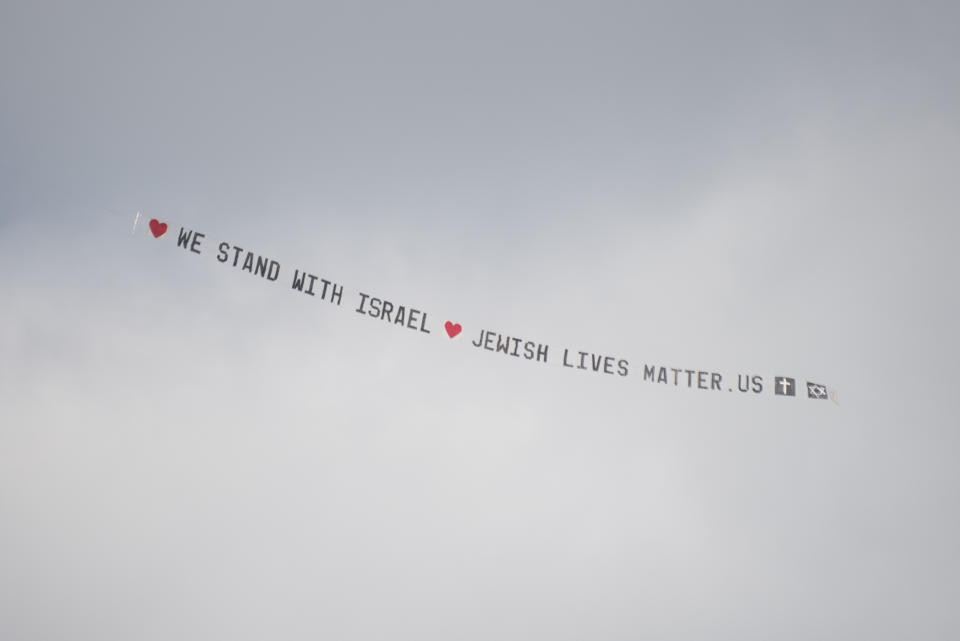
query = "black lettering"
{"x": 596, "y": 360}
{"x": 337, "y": 294}
{"x": 649, "y": 371}
{"x": 622, "y": 367}
{"x": 274, "y": 270}
{"x": 223, "y": 252}
{"x": 236, "y": 254}
{"x": 542, "y": 351}
{"x": 413, "y": 318}
{"x": 608, "y": 365}
{"x": 197, "y": 237}
{"x": 528, "y": 350}
{"x": 503, "y": 345}
{"x": 261, "y": 268}
{"x": 701, "y": 380}
{"x": 565, "y": 363}
{"x": 183, "y": 239}
{"x": 488, "y": 343}
{"x": 479, "y": 341}
{"x": 387, "y": 310}
{"x": 401, "y": 318}
{"x": 715, "y": 380}
{"x": 313, "y": 279}
{"x": 745, "y": 382}
{"x": 583, "y": 358}
{"x": 676, "y": 374}
{"x": 248, "y": 262}
{"x": 375, "y": 309}
{"x": 363, "y": 300}
{"x": 298, "y": 281}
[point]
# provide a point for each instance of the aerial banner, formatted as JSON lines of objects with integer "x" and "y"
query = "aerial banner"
{"x": 497, "y": 342}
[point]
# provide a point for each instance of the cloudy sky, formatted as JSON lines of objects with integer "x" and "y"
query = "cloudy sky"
{"x": 190, "y": 451}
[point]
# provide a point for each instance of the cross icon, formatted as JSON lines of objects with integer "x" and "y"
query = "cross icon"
{"x": 784, "y": 386}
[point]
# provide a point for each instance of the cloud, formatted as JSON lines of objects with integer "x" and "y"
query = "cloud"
{"x": 188, "y": 450}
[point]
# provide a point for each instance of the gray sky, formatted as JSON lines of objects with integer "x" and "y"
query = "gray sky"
{"x": 187, "y": 451}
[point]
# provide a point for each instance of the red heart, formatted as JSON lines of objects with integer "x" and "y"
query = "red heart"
{"x": 452, "y": 329}
{"x": 158, "y": 228}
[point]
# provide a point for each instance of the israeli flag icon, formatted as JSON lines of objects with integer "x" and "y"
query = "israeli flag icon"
{"x": 816, "y": 390}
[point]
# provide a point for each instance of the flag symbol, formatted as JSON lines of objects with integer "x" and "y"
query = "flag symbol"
{"x": 816, "y": 390}
{"x": 784, "y": 386}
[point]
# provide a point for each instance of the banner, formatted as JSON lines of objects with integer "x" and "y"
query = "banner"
{"x": 496, "y": 342}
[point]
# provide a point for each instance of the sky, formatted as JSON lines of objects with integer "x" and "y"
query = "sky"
{"x": 188, "y": 450}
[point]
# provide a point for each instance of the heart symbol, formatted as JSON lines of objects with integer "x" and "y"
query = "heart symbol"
{"x": 452, "y": 329}
{"x": 158, "y": 228}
